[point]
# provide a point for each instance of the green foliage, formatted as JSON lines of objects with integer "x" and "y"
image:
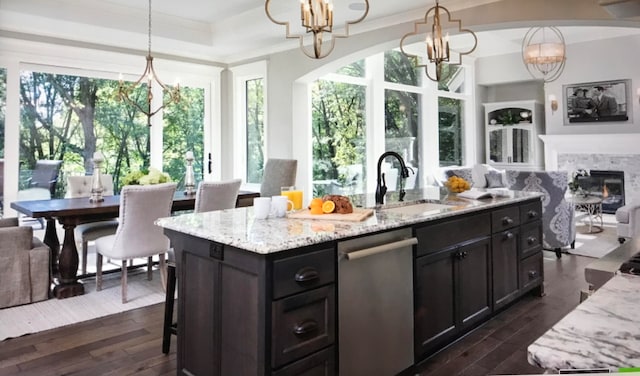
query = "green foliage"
{"x": 132, "y": 178}
{"x": 153, "y": 176}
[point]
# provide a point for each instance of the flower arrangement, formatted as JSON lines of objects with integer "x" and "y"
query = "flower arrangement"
{"x": 574, "y": 185}
{"x": 154, "y": 176}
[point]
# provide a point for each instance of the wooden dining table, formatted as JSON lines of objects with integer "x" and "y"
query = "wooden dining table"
{"x": 70, "y": 212}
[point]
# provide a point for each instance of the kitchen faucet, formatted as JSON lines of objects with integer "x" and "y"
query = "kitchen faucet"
{"x": 381, "y": 185}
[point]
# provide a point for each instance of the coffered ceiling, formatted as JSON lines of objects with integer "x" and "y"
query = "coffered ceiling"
{"x": 214, "y": 30}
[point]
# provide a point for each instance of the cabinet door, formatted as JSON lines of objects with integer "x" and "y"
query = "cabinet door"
{"x": 498, "y": 146}
{"x": 434, "y": 317}
{"x": 473, "y": 283}
{"x": 520, "y": 145}
{"x": 504, "y": 256}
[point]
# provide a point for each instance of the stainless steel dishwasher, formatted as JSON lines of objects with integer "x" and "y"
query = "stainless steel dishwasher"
{"x": 375, "y": 304}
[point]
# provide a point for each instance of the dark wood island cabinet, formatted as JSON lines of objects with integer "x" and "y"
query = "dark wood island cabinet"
{"x": 246, "y": 312}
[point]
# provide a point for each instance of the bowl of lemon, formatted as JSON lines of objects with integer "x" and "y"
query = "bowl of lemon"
{"x": 456, "y": 184}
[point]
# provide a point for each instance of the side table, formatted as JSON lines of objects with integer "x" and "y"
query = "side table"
{"x": 592, "y": 208}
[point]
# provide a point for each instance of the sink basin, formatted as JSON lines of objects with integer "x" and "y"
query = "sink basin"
{"x": 425, "y": 208}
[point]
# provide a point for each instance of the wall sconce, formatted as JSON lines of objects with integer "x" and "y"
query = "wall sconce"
{"x": 554, "y": 103}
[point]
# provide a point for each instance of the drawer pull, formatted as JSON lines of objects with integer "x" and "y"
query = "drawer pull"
{"x": 307, "y": 275}
{"x": 508, "y": 235}
{"x": 533, "y": 274}
{"x": 507, "y": 221}
{"x": 305, "y": 328}
{"x": 532, "y": 214}
{"x": 532, "y": 240}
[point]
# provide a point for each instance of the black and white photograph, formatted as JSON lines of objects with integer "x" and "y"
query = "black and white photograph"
{"x": 603, "y": 101}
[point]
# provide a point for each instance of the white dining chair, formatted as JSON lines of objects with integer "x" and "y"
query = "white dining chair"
{"x": 137, "y": 235}
{"x": 80, "y": 186}
{"x": 218, "y": 195}
{"x": 278, "y": 173}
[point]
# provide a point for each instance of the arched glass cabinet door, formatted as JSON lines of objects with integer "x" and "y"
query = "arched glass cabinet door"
{"x": 521, "y": 145}
{"x": 498, "y": 146}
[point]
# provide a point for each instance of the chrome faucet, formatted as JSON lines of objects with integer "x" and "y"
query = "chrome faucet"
{"x": 381, "y": 186}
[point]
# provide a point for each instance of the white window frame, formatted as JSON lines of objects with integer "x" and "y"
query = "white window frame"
{"x": 241, "y": 74}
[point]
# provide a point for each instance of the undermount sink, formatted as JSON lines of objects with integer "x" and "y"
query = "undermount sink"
{"x": 425, "y": 208}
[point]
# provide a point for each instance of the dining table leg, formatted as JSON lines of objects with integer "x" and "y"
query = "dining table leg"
{"x": 68, "y": 285}
{"x": 51, "y": 240}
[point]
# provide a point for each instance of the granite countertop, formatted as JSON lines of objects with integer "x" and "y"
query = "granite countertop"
{"x": 239, "y": 228}
{"x": 602, "y": 332}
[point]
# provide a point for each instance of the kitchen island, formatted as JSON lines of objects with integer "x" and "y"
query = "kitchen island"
{"x": 265, "y": 297}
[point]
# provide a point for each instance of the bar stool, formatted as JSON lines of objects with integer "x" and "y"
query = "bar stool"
{"x": 169, "y": 327}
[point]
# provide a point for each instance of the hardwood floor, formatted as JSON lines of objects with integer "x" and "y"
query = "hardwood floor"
{"x": 129, "y": 343}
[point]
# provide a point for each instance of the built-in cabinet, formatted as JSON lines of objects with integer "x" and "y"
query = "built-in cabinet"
{"x": 243, "y": 313}
{"x": 511, "y": 134}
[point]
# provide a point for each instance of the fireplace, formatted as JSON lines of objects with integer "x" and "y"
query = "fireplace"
{"x": 609, "y": 185}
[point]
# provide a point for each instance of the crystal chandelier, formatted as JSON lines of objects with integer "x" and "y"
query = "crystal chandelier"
{"x": 543, "y": 53}
{"x": 437, "y": 46}
{"x": 317, "y": 18}
{"x": 125, "y": 90}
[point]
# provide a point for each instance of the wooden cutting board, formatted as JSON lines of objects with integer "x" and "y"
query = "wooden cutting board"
{"x": 359, "y": 214}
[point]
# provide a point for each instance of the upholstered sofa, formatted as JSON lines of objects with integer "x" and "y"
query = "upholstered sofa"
{"x": 628, "y": 218}
{"x": 559, "y": 228}
{"x": 24, "y": 265}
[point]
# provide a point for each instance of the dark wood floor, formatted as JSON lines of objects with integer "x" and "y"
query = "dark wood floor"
{"x": 129, "y": 343}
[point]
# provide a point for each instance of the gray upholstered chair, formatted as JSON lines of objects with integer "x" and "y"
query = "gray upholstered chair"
{"x": 80, "y": 186}
{"x": 278, "y": 173}
{"x": 24, "y": 265}
{"x": 220, "y": 195}
{"x": 137, "y": 235}
{"x": 628, "y": 219}
{"x": 558, "y": 221}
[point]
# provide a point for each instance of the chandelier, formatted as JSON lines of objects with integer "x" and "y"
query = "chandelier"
{"x": 543, "y": 53}
{"x": 125, "y": 90}
{"x": 317, "y": 18}
{"x": 437, "y": 47}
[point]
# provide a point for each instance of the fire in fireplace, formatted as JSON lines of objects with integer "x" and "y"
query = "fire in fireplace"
{"x": 609, "y": 185}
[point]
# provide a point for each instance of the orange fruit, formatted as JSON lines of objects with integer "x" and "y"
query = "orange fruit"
{"x": 316, "y": 202}
{"x": 316, "y": 210}
{"x": 328, "y": 206}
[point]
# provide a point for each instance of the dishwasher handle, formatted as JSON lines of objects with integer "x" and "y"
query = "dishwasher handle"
{"x": 380, "y": 248}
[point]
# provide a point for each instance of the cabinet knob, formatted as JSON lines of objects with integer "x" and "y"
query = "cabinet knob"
{"x": 532, "y": 214}
{"x": 507, "y": 221}
{"x": 305, "y": 327}
{"x": 464, "y": 254}
{"x": 533, "y": 274}
{"x": 307, "y": 274}
{"x": 508, "y": 235}
{"x": 531, "y": 240}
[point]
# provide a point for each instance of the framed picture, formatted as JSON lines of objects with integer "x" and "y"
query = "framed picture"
{"x": 603, "y": 101}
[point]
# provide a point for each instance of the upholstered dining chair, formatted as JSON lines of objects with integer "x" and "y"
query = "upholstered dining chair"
{"x": 80, "y": 186}
{"x": 137, "y": 235}
{"x": 278, "y": 173}
{"x": 218, "y": 195}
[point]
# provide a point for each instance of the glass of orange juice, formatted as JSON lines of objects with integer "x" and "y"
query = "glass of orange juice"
{"x": 294, "y": 196}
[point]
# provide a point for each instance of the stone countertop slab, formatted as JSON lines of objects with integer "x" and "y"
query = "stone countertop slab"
{"x": 602, "y": 332}
{"x": 239, "y": 227}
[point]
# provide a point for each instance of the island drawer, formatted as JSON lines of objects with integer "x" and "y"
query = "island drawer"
{"x": 531, "y": 239}
{"x": 304, "y": 272}
{"x": 503, "y": 219}
{"x": 321, "y": 363}
{"x": 531, "y": 271}
{"x": 438, "y": 236}
{"x": 302, "y": 324}
{"x": 530, "y": 212}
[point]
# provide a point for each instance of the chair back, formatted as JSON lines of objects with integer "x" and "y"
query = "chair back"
{"x": 140, "y": 206}
{"x": 278, "y": 173}
{"x": 217, "y": 195}
{"x": 80, "y": 186}
{"x": 45, "y": 175}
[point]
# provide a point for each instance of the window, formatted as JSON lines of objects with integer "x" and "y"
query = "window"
{"x": 339, "y": 138}
{"x": 184, "y": 131}
{"x": 419, "y": 118}
{"x": 255, "y": 129}
{"x": 68, "y": 118}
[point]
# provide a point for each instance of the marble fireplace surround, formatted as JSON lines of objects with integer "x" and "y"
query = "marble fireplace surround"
{"x": 617, "y": 152}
